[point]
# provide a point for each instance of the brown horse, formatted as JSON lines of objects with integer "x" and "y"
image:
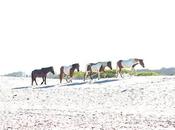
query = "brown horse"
{"x": 97, "y": 68}
{"x": 68, "y": 71}
{"x": 130, "y": 63}
{"x": 41, "y": 73}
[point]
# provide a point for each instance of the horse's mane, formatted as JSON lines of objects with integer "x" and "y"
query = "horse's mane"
{"x": 47, "y": 67}
{"x": 76, "y": 64}
{"x": 92, "y": 64}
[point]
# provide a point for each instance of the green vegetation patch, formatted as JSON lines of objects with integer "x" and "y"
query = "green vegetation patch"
{"x": 147, "y": 73}
{"x": 112, "y": 73}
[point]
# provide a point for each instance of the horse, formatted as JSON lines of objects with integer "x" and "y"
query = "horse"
{"x": 68, "y": 71}
{"x": 130, "y": 63}
{"x": 41, "y": 73}
{"x": 97, "y": 68}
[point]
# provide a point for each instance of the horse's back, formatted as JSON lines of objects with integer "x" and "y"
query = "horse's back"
{"x": 96, "y": 67}
{"x": 128, "y": 63}
{"x": 37, "y": 73}
{"x": 66, "y": 69}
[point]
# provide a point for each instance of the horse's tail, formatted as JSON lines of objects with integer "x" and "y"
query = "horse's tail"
{"x": 88, "y": 68}
{"x": 118, "y": 66}
{"x": 61, "y": 74}
{"x": 32, "y": 77}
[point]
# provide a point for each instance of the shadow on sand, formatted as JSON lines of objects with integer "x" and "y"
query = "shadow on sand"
{"x": 105, "y": 81}
{"x": 46, "y": 86}
{"x": 73, "y": 84}
{"x": 26, "y": 87}
{"x": 34, "y": 87}
{"x": 95, "y": 82}
{"x": 66, "y": 84}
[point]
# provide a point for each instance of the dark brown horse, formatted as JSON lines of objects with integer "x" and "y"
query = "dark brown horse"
{"x": 68, "y": 71}
{"x": 41, "y": 73}
{"x": 130, "y": 63}
{"x": 96, "y": 68}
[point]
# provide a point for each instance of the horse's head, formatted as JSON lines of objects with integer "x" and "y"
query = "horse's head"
{"x": 141, "y": 63}
{"x": 109, "y": 64}
{"x": 52, "y": 70}
{"x": 76, "y": 66}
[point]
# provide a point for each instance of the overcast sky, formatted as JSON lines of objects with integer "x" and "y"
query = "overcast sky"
{"x": 40, "y": 33}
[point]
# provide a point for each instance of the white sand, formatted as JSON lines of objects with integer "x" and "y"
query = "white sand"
{"x": 135, "y": 103}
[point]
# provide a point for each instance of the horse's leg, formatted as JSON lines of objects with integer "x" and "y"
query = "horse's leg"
{"x": 61, "y": 74}
{"x": 133, "y": 71}
{"x": 132, "y": 68}
{"x": 42, "y": 81}
{"x": 33, "y": 78}
{"x": 117, "y": 71}
{"x": 105, "y": 75}
{"x": 32, "y": 82}
{"x": 120, "y": 72}
{"x": 35, "y": 81}
{"x": 61, "y": 77}
{"x": 98, "y": 75}
{"x": 89, "y": 75}
{"x": 85, "y": 74}
{"x": 70, "y": 79}
{"x": 66, "y": 79}
{"x": 45, "y": 80}
{"x": 71, "y": 75}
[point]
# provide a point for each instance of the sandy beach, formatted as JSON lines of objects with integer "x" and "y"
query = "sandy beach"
{"x": 132, "y": 103}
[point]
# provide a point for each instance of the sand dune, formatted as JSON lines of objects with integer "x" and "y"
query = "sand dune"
{"x": 132, "y": 103}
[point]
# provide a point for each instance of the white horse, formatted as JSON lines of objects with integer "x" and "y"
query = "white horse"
{"x": 130, "y": 63}
{"x": 96, "y": 68}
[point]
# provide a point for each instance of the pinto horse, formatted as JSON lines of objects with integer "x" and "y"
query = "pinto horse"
{"x": 68, "y": 71}
{"x": 97, "y": 68}
{"x": 41, "y": 73}
{"x": 130, "y": 63}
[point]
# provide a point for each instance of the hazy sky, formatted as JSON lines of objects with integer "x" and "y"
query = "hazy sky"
{"x": 40, "y": 33}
